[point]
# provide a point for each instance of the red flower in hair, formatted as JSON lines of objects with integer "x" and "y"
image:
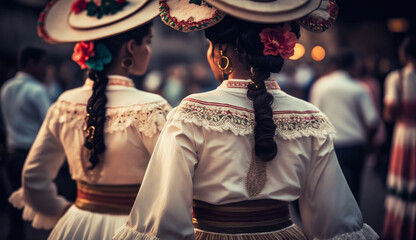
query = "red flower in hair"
{"x": 279, "y": 41}
{"x": 121, "y": 2}
{"x": 78, "y": 6}
{"x": 82, "y": 52}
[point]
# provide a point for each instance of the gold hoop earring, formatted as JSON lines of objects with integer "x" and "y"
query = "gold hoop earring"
{"x": 127, "y": 62}
{"x": 251, "y": 78}
{"x": 225, "y": 65}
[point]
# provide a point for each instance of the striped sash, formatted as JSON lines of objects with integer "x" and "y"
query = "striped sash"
{"x": 109, "y": 199}
{"x": 408, "y": 112}
{"x": 256, "y": 216}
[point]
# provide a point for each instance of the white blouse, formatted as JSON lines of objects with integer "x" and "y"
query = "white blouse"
{"x": 134, "y": 121}
{"x": 205, "y": 152}
{"x": 396, "y": 87}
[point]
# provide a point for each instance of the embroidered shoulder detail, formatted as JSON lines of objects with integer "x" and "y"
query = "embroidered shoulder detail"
{"x": 148, "y": 118}
{"x": 292, "y": 124}
{"x": 240, "y": 121}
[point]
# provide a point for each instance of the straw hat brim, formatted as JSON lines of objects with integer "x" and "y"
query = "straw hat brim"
{"x": 266, "y": 12}
{"x": 54, "y": 26}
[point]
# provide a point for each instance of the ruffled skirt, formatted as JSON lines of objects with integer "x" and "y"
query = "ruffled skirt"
{"x": 79, "y": 224}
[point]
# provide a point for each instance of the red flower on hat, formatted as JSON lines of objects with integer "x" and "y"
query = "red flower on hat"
{"x": 121, "y": 2}
{"x": 78, "y": 6}
{"x": 279, "y": 40}
{"x": 82, "y": 52}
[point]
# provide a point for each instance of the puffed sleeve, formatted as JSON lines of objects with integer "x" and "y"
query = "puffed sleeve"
{"x": 38, "y": 195}
{"x": 163, "y": 207}
{"x": 327, "y": 207}
{"x": 392, "y": 89}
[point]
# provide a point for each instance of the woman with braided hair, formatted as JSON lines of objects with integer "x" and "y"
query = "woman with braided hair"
{"x": 230, "y": 161}
{"x": 106, "y": 129}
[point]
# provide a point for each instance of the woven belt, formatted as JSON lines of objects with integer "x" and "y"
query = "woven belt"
{"x": 241, "y": 217}
{"x": 109, "y": 199}
{"x": 408, "y": 112}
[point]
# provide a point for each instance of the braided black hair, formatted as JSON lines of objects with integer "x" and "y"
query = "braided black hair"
{"x": 96, "y": 103}
{"x": 245, "y": 37}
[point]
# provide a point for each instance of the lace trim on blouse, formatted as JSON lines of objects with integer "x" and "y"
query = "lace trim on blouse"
{"x": 148, "y": 118}
{"x": 366, "y": 232}
{"x": 240, "y": 121}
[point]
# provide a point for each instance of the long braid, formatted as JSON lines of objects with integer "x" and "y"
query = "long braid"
{"x": 265, "y": 146}
{"x": 96, "y": 119}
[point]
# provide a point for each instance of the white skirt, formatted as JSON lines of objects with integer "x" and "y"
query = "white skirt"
{"x": 79, "y": 224}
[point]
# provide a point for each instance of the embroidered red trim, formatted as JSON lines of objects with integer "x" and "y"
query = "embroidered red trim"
{"x": 41, "y": 22}
{"x": 271, "y": 85}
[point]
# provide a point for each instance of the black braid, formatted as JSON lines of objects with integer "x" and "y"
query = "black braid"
{"x": 245, "y": 36}
{"x": 96, "y": 110}
{"x": 96, "y": 107}
{"x": 265, "y": 146}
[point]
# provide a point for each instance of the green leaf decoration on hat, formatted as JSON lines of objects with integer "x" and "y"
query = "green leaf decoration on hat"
{"x": 105, "y": 7}
{"x": 197, "y": 2}
{"x": 102, "y": 57}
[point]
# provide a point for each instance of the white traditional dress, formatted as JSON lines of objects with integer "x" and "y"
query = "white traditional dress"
{"x": 105, "y": 194}
{"x": 204, "y": 182}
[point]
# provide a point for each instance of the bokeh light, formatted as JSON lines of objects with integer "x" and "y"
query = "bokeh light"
{"x": 318, "y": 53}
{"x": 299, "y": 52}
{"x": 397, "y": 25}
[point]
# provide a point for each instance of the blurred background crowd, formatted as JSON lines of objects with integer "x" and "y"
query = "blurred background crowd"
{"x": 372, "y": 29}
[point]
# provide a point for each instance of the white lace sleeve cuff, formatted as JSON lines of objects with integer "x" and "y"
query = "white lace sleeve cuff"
{"x": 365, "y": 233}
{"x": 39, "y": 220}
{"x": 126, "y": 233}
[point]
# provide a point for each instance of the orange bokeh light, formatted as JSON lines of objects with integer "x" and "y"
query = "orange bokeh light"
{"x": 318, "y": 53}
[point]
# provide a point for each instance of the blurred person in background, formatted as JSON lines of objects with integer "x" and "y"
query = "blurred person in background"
{"x": 400, "y": 106}
{"x": 201, "y": 78}
{"x": 24, "y": 104}
{"x": 304, "y": 77}
{"x": 53, "y": 87}
{"x": 174, "y": 87}
{"x": 372, "y": 86}
{"x": 352, "y": 112}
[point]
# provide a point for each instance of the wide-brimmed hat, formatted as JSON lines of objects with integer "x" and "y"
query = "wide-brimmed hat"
{"x": 185, "y": 15}
{"x": 87, "y": 20}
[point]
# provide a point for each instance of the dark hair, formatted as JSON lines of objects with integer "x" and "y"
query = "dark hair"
{"x": 30, "y": 53}
{"x": 245, "y": 37}
{"x": 409, "y": 47}
{"x": 346, "y": 59}
{"x": 96, "y": 103}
